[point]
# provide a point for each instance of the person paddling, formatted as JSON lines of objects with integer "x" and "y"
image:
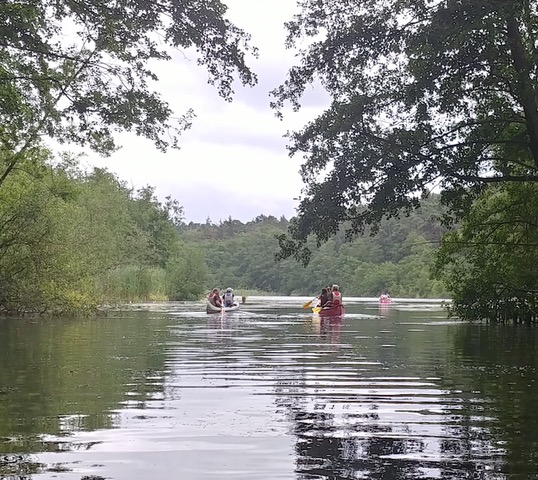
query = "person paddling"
{"x": 324, "y": 297}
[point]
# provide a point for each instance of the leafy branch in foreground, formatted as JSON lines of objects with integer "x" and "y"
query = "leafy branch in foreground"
{"x": 79, "y": 71}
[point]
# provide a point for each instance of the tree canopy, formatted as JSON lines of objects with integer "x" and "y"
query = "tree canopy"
{"x": 79, "y": 71}
{"x": 425, "y": 95}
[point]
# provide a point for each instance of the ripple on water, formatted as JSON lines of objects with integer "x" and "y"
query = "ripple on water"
{"x": 278, "y": 395}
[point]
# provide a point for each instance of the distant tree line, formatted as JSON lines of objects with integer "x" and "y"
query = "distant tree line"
{"x": 398, "y": 258}
{"x": 72, "y": 240}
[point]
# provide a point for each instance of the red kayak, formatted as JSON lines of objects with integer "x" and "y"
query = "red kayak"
{"x": 330, "y": 311}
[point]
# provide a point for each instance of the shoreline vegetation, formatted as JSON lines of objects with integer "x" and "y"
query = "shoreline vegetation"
{"x": 73, "y": 240}
{"x": 78, "y": 243}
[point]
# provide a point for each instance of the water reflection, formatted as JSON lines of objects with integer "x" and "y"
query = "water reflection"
{"x": 63, "y": 376}
{"x": 384, "y": 309}
{"x": 268, "y": 392}
{"x": 328, "y": 328}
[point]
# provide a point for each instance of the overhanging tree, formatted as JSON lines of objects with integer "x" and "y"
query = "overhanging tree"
{"x": 489, "y": 263}
{"x": 79, "y": 71}
{"x": 424, "y": 94}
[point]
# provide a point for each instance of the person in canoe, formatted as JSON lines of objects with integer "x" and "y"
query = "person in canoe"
{"x": 335, "y": 299}
{"x": 228, "y": 297}
{"x": 214, "y": 298}
{"x": 385, "y": 297}
{"x": 324, "y": 297}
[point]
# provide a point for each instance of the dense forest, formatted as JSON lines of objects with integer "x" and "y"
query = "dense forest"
{"x": 71, "y": 240}
{"x": 398, "y": 258}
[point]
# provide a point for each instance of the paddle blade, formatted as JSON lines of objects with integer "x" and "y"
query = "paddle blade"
{"x": 307, "y": 305}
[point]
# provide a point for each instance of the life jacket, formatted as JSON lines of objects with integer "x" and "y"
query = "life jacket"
{"x": 229, "y": 298}
{"x": 337, "y": 298}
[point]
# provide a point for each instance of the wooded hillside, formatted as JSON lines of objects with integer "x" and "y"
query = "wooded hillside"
{"x": 398, "y": 258}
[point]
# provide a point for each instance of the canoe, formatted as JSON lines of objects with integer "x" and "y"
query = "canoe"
{"x": 210, "y": 308}
{"x": 385, "y": 300}
{"x": 329, "y": 311}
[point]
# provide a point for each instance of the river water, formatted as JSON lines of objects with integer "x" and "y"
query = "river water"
{"x": 269, "y": 392}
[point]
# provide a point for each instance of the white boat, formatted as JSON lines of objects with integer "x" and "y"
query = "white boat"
{"x": 210, "y": 308}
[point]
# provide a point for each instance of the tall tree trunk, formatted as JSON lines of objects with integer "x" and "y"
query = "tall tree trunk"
{"x": 525, "y": 86}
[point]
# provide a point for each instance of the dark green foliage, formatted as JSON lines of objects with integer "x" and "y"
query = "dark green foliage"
{"x": 424, "y": 95}
{"x": 490, "y": 263}
{"x": 399, "y": 258}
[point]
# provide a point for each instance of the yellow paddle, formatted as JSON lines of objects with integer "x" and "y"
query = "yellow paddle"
{"x": 307, "y": 304}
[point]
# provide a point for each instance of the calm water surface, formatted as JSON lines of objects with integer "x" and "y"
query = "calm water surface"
{"x": 269, "y": 392}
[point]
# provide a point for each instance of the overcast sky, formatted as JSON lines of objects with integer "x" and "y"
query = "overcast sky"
{"x": 233, "y": 161}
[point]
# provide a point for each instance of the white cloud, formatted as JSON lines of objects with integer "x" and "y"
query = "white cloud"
{"x": 233, "y": 161}
{"x": 218, "y": 202}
